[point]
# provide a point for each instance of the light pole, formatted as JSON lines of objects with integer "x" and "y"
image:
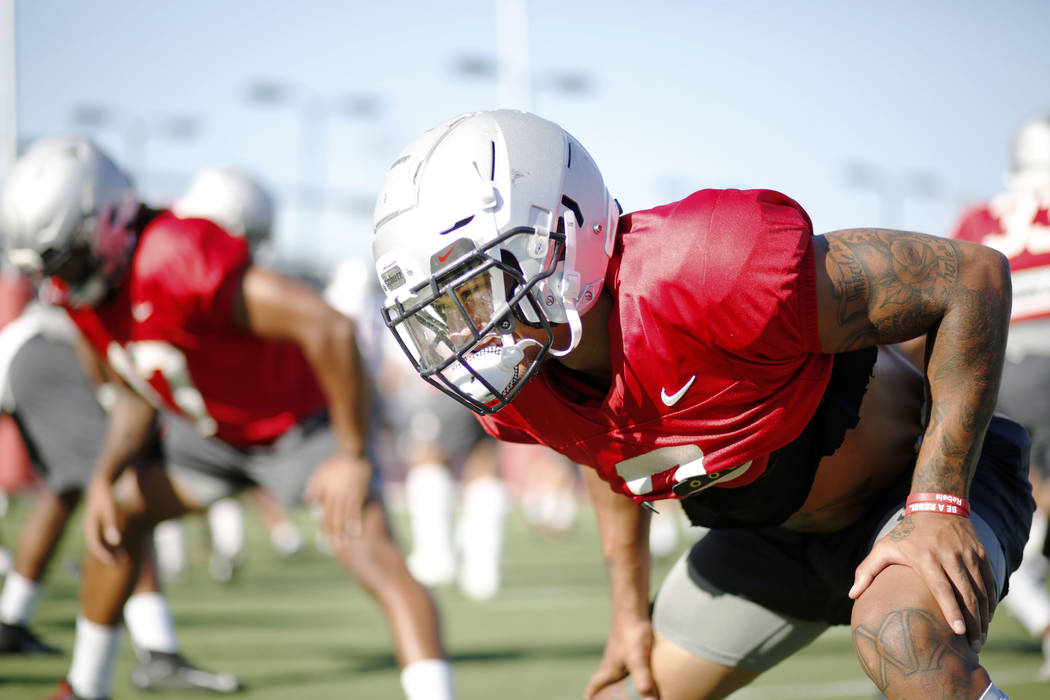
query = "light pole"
{"x": 8, "y": 88}
{"x": 512, "y": 69}
{"x": 314, "y": 111}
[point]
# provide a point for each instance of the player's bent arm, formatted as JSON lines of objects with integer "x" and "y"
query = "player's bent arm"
{"x": 881, "y": 287}
{"x": 129, "y": 429}
{"x": 273, "y": 306}
{"x": 129, "y": 416}
{"x": 624, "y": 529}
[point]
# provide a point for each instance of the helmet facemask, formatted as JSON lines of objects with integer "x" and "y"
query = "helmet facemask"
{"x": 457, "y": 327}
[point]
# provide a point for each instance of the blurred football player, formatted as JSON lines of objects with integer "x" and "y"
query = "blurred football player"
{"x": 437, "y": 439}
{"x": 44, "y": 387}
{"x": 240, "y": 204}
{"x": 259, "y": 378}
{"x": 1017, "y": 223}
{"x": 716, "y": 351}
{"x": 236, "y": 201}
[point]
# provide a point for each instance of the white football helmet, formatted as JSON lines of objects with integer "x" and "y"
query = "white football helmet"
{"x": 1031, "y": 147}
{"x": 233, "y": 200}
{"x": 65, "y": 198}
{"x": 490, "y": 220}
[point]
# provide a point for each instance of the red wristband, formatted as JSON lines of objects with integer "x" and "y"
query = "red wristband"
{"x": 937, "y": 503}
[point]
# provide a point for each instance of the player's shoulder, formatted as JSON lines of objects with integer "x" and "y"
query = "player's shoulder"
{"x": 722, "y": 207}
{"x": 169, "y": 241}
{"x": 167, "y": 229}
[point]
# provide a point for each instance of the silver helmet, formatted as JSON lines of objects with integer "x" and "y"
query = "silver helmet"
{"x": 232, "y": 199}
{"x": 1031, "y": 146}
{"x": 66, "y": 197}
{"x": 490, "y": 220}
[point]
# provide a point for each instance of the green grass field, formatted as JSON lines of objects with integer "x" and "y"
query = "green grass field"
{"x": 298, "y": 628}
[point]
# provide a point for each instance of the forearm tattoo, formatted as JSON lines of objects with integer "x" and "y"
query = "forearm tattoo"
{"x": 915, "y": 641}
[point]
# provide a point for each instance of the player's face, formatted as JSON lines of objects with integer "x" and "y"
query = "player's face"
{"x": 73, "y": 268}
{"x": 466, "y": 309}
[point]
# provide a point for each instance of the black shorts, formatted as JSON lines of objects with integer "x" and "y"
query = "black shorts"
{"x": 783, "y": 487}
{"x": 1024, "y": 395}
{"x": 814, "y": 572}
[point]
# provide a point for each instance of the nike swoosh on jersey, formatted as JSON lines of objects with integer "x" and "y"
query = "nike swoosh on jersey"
{"x": 671, "y": 399}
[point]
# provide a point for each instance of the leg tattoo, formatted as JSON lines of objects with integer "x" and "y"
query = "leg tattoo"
{"x": 910, "y": 642}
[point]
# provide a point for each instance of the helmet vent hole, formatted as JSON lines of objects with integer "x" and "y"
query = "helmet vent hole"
{"x": 574, "y": 208}
{"x": 492, "y": 170}
{"x": 459, "y": 224}
{"x": 568, "y": 163}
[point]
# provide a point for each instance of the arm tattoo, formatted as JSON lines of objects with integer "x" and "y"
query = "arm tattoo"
{"x": 910, "y": 642}
{"x": 902, "y": 530}
{"x": 889, "y": 286}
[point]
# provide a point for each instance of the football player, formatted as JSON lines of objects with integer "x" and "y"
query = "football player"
{"x": 240, "y": 204}
{"x": 258, "y": 376}
{"x": 435, "y": 437}
{"x": 1017, "y": 223}
{"x": 716, "y": 351}
{"x": 44, "y": 387}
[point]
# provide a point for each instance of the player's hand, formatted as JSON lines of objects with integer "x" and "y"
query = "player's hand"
{"x": 340, "y": 486}
{"x": 949, "y": 558}
{"x": 627, "y": 652}
{"x": 102, "y": 525}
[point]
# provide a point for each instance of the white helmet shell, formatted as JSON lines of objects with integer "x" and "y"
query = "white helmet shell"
{"x": 515, "y": 187}
{"x": 232, "y": 199}
{"x": 64, "y": 193}
{"x": 497, "y": 171}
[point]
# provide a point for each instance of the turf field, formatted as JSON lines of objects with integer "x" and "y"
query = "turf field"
{"x": 298, "y": 629}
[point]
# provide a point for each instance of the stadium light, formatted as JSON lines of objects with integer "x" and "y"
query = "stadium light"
{"x": 891, "y": 187}
{"x": 314, "y": 110}
{"x": 136, "y": 130}
{"x": 512, "y": 68}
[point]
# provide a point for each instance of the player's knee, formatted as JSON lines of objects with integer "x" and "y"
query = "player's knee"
{"x": 908, "y": 645}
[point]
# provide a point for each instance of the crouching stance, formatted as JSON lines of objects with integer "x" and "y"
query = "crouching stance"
{"x": 716, "y": 351}
{"x": 259, "y": 380}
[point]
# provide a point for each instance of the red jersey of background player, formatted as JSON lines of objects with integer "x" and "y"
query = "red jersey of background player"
{"x": 1017, "y": 224}
{"x": 169, "y": 331}
{"x": 715, "y": 352}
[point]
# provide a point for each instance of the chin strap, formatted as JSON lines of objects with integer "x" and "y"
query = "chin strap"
{"x": 572, "y": 317}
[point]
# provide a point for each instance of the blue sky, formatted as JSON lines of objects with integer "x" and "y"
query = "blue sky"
{"x": 682, "y": 95}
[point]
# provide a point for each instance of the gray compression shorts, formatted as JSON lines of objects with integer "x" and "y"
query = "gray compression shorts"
{"x": 211, "y": 469}
{"x": 750, "y": 598}
{"x": 1024, "y": 395}
{"x": 57, "y": 414}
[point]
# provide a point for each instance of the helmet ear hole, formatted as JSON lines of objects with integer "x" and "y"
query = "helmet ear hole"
{"x": 525, "y": 310}
{"x": 572, "y": 206}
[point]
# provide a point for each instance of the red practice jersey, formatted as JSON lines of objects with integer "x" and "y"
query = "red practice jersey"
{"x": 1017, "y": 224}
{"x": 169, "y": 331}
{"x": 715, "y": 352}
